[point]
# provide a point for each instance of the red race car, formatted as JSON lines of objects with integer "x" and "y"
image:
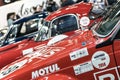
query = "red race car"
{"x": 87, "y": 55}
{"x": 64, "y": 21}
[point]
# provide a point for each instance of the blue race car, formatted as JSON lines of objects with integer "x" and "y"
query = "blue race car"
{"x": 22, "y": 29}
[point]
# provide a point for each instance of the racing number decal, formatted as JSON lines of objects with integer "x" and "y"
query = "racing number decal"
{"x": 109, "y": 74}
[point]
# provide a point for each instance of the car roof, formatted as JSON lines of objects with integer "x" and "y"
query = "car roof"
{"x": 72, "y": 9}
{"x": 24, "y": 19}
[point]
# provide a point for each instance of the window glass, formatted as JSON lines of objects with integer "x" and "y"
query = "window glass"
{"x": 28, "y": 27}
{"x": 58, "y": 26}
{"x": 109, "y": 22}
{"x": 64, "y": 24}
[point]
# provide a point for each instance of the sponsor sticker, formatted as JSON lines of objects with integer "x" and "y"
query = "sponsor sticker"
{"x": 100, "y": 59}
{"x": 78, "y": 54}
{"x": 83, "y": 68}
{"x": 11, "y": 69}
{"x": 84, "y": 21}
{"x": 27, "y": 51}
{"x": 45, "y": 70}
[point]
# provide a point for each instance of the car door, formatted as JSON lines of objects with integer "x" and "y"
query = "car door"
{"x": 116, "y": 47}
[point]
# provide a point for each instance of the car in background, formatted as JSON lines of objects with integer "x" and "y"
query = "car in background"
{"x": 87, "y": 55}
{"x": 67, "y": 21}
{"x": 22, "y": 29}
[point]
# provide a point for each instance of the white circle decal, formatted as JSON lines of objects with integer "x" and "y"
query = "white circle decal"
{"x": 100, "y": 60}
{"x": 84, "y": 21}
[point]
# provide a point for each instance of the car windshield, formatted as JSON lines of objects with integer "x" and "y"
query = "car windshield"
{"x": 109, "y": 22}
{"x": 57, "y": 26}
{"x": 43, "y": 30}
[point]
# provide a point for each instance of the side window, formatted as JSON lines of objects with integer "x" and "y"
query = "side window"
{"x": 29, "y": 27}
{"x": 64, "y": 24}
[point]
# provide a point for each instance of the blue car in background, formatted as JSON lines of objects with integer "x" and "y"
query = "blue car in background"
{"x": 22, "y": 29}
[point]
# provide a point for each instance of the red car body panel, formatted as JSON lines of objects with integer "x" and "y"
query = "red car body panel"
{"x": 81, "y": 56}
{"x": 58, "y": 59}
{"x": 14, "y": 51}
{"x": 80, "y": 8}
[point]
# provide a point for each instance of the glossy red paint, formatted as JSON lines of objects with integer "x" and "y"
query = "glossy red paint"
{"x": 83, "y": 55}
{"x": 81, "y": 9}
{"x": 59, "y": 59}
{"x": 14, "y": 51}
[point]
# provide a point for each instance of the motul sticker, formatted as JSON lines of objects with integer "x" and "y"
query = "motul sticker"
{"x": 83, "y": 68}
{"x": 79, "y": 54}
{"x": 100, "y": 59}
{"x": 27, "y": 51}
{"x": 45, "y": 70}
{"x": 6, "y": 71}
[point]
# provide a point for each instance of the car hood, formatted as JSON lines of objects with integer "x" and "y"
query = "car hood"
{"x": 48, "y": 55}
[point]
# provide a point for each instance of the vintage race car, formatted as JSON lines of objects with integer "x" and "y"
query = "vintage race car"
{"x": 87, "y": 55}
{"x": 64, "y": 21}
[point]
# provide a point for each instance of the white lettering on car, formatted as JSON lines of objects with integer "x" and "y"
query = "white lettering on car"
{"x": 45, "y": 70}
{"x": 45, "y": 52}
{"x": 27, "y": 51}
{"x": 110, "y": 76}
